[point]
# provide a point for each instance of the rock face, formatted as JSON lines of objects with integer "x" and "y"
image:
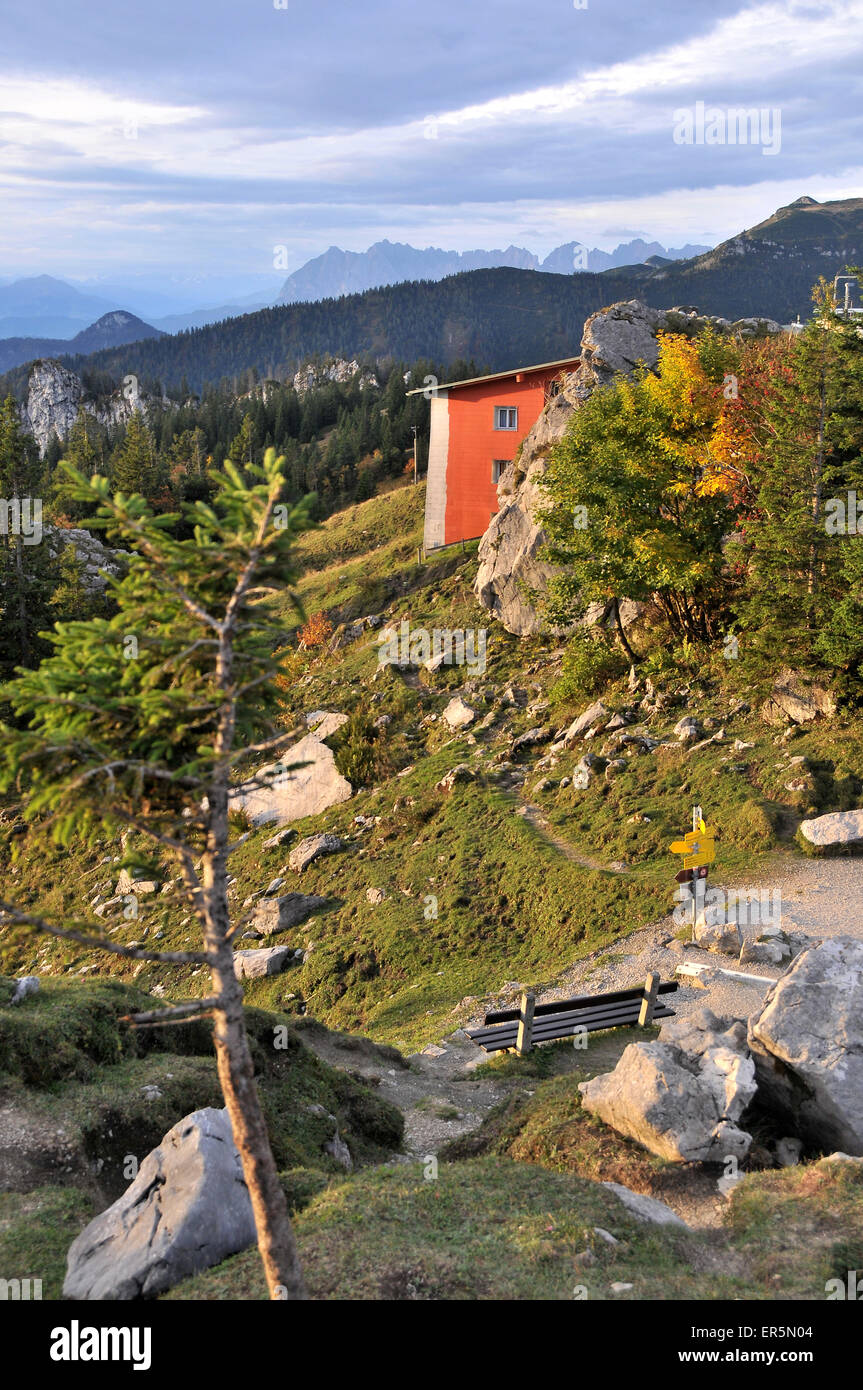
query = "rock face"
{"x": 682, "y": 1096}
{"x": 189, "y": 1208}
{"x": 294, "y": 791}
{"x": 807, "y": 1042}
{"x": 835, "y": 830}
{"x": 511, "y": 578}
{"x": 332, "y": 369}
{"x": 55, "y": 395}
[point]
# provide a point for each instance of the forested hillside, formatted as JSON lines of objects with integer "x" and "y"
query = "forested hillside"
{"x": 504, "y": 317}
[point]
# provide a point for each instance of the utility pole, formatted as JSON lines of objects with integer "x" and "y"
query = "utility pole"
{"x": 414, "y": 428}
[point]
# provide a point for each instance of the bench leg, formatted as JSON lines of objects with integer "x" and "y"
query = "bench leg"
{"x": 525, "y": 1024}
{"x": 648, "y": 1000}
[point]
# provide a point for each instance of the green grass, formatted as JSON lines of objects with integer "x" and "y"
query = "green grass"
{"x": 496, "y": 1229}
{"x": 509, "y": 905}
{"x": 36, "y": 1230}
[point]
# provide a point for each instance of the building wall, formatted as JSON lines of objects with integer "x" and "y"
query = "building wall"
{"x": 462, "y": 497}
{"x": 436, "y": 489}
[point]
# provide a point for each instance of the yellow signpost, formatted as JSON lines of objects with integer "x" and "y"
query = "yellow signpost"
{"x": 698, "y": 848}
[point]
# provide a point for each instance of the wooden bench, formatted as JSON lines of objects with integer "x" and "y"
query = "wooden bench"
{"x": 532, "y": 1023}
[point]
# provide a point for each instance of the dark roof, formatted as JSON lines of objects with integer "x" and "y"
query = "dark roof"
{"x": 496, "y": 376}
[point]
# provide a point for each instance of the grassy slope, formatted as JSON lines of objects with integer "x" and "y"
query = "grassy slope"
{"x": 513, "y": 1221}
{"x": 509, "y": 906}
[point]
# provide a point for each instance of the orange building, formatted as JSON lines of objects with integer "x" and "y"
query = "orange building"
{"x": 476, "y": 428}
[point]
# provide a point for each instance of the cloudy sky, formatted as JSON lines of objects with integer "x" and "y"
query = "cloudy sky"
{"x": 186, "y": 139}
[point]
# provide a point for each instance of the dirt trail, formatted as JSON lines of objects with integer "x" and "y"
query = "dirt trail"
{"x": 535, "y": 816}
{"x": 442, "y": 1099}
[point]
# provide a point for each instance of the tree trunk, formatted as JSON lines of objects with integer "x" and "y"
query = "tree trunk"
{"x": 276, "y": 1240}
{"x": 621, "y": 635}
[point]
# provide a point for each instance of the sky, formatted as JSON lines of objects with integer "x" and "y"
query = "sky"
{"x": 213, "y": 145}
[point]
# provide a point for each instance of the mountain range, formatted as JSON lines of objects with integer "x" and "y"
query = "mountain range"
{"x": 504, "y": 316}
{"x": 41, "y": 306}
{"x": 111, "y": 330}
{"x": 337, "y": 272}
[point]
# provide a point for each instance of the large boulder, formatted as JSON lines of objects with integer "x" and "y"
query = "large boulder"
{"x": 303, "y": 783}
{"x": 281, "y": 913}
{"x": 837, "y": 830}
{"x": 681, "y": 1097}
{"x": 807, "y": 1042}
{"x": 188, "y": 1208}
{"x": 796, "y": 699}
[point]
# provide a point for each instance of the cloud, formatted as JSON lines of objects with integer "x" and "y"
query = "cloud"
{"x": 191, "y": 170}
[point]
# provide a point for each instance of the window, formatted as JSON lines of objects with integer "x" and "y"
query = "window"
{"x": 497, "y": 467}
{"x": 505, "y": 417}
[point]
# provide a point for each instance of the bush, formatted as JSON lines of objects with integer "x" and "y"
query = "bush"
{"x": 588, "y": 667}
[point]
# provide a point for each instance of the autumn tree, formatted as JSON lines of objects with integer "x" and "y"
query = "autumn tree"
{"x": 142, "y": 722}
{"x": 637, "y": 506}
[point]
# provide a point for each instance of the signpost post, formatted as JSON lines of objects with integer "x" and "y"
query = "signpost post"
{"x": 698, "y": 848}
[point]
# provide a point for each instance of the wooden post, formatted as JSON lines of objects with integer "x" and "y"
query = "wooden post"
{"x": 648, "y": 1000}
{"x": 696, "y": 817}
{"x": 525, "y": 1023}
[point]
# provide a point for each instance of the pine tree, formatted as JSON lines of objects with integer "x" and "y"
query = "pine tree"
{"x": 151, "y": 738}
{"x": 25, "y": 568}
{"x": 133, "y": 465}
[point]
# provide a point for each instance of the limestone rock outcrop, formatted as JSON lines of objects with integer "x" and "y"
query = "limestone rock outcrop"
{"x": 807, "y": 1043}
{"x": 55, "y": 395}
{"x": 512, "y": 577}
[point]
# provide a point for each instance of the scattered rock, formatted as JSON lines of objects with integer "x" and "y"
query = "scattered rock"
{"x": 461, "y": 773}
{"x": 592, "y": 715}
{"x": 279, "y": 914}
{"x": 311, "y": 848}
{"x": 645, "y": 1208}
{"x": 24, "y": 987}
{"x": 376, "y": 896}
{"x": 458, "y": 714}
{"x": 686, "y": 730}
